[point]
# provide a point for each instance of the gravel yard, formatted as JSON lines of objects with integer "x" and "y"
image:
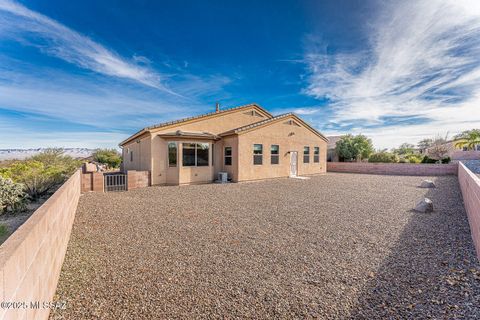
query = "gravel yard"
{"x": 334, "y": 246}
{"x": 473, "y": 165}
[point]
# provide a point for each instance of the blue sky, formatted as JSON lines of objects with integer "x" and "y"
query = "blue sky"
{"x": 90, "y": 73}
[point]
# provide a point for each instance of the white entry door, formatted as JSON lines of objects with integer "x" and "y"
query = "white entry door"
{"x": 293, "y": 163}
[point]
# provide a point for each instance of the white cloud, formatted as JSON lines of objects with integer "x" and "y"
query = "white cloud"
{"x": 20, "y": 23}
{"x": 422, "y": 62}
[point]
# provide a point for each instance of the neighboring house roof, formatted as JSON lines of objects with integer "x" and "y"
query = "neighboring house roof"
{"x": 332, "y": 141}
{"x": 262, "y": 123}
{"x": 195, "y": 118}
{"x": 185, "y": 134}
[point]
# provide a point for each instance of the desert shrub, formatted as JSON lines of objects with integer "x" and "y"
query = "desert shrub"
{"x": 427, "y": 159}
{"x": 41, "y": 173}
{"x": 413, "y": 158}
{"x": 446, "y": 160}
{"x": 12, "y": 197}
{"x": 386, "y": 157}
{"x": 109, "y": 157}
{"x": 54, "y": 157}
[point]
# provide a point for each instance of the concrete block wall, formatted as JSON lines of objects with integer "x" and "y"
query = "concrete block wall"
{"x": 138, "y": 179}
{"x": 470, "y": 186}
{"x": 92, "y": 181}
{"x": 465, "y": 155}
{"x": 32, "y": 257}
{"x": 408, "y": 169}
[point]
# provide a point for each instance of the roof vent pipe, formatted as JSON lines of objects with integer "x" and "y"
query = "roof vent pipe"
{"x": 217, "y": 107}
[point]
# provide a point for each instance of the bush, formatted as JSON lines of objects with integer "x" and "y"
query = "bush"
{"x": 427, "y": 159}
{"x": 109, "y": 157}
{"x": 41, "y": 173}
{"x": 12, "y": 197}
{"x": 385, "y": 157}
{"x": 413, "y": 158}
{"x": 446, "y": 160}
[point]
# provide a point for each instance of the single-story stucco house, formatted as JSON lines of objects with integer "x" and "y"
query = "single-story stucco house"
{"x": 247, "y": 142}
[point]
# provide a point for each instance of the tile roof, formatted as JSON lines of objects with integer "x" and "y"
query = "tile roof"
{"x": 164, "y": 124}
{"x": 180, "y": 133}
{"x": 168, "y": 123}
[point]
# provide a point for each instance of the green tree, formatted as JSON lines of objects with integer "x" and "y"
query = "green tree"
{"x": 109, "y": 157}
{"x": 469, "y": 139}
{"x": 405, "y": 148}
{"x": 351, "y": 147}
{"x": 425, "y": 143}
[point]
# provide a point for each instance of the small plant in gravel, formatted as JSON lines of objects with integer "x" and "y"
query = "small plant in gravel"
{"x": 3, "y": 230}
{"x": 12, "y": 197}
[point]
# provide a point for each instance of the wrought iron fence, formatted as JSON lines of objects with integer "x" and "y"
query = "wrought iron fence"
{"x": 115, "y": 182}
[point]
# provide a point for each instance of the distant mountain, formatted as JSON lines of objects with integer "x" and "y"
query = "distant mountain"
{"x": 20, "y": 154}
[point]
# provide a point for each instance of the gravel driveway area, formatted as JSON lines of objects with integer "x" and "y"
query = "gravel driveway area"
{"x": 335, "y": 246}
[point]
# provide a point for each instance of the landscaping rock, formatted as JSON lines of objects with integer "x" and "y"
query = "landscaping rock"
{"x": 426, "y": 205}
{"x": 427, "y": 184}
{"x": 337, "y": 246}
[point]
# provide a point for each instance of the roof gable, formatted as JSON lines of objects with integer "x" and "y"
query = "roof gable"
{"x": 257, "y": 111}
{"x": 292, "y": 119}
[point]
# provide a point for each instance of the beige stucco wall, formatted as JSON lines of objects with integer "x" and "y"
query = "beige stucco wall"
{"x": 289, "y": 138}
{"x": 162, "y": 174}
{"x": 154, "y": 157}
{"x": 194, "y": 174}
{"x": 142, "y": 160}
{"x": 217, "y": 124}
{"x": 232, "y": 170}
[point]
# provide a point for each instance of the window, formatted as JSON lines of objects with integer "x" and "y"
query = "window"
{"x": 172, "y": 154}
{"x": 274, "y": 154}
{"x": 131, "y": 156}
{"x": 316, "y": 154}
{"x": 195, "y": 154}
{"x": 306, "y": 154}
{"x": 202, "y": 154}
{"x": 188, "y": 154}
{"x": 257, "y": 154}
{"x": 228, "y": 156}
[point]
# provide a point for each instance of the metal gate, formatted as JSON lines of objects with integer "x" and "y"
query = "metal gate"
{"x": 115, "y": 182}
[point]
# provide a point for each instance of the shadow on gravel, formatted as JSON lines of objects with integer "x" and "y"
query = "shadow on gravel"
{"x": 432, "y": 272}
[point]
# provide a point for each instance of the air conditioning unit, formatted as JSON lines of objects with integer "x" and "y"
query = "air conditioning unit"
{"x": 223, "y": 177}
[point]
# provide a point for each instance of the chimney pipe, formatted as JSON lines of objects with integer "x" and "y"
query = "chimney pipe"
{"x": 217, "y": 107}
